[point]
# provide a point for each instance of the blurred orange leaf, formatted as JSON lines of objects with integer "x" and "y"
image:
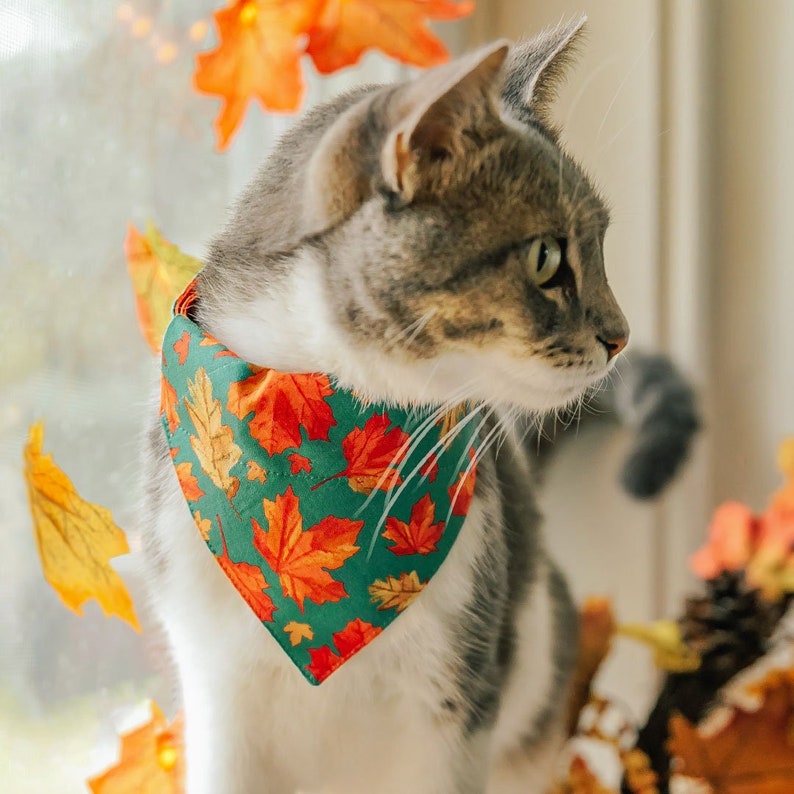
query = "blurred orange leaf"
{"x": 346, "y": 28}
{"x": 159, "y": 272}
{"x": 752, "y": 754}
{"x": 151, "y": 760}
{"x": 258, "y": 55}
{"x": 75, "y": 538}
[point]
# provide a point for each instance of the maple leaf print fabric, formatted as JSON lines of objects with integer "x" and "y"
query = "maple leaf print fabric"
{"x": 318, "y": 507}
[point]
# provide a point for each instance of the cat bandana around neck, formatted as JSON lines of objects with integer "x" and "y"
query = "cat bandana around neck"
{"x": 327, "y": 514}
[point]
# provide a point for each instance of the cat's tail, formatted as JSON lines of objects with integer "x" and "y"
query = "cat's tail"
{"x": 649, "y": 394}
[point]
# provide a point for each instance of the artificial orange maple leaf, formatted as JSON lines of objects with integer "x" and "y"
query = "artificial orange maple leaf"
{"x": 302, "y": 558}
{"x": 346, "y": 28}
{"x": 420, "y": 534}
{"x": 371, "y": 454}
{"x": 258, "y": 55}
{"x": 461, "y": 492}
{"x": 151, "y": 762}
{"x": 75, "y": 539}
{"x": 249, "y": 581}
{"x": 299, "y": 463}
{"x": 298, "y": 632}
{"x": 396, "y": 593}
{"x": 159, "y": 271}
{"x": 282, "y": 404}
{"x": 213, "y": 441}
{"x": 752, "y": 754}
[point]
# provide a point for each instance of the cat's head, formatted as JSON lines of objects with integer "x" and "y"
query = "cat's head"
{"x": 456, "y": 248}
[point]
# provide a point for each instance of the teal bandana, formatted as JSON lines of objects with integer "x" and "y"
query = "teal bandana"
{"x": 327, "y": 514}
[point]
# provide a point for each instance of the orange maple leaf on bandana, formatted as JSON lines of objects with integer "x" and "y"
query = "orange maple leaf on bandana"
{"x": 420, "y": 534}
{"x": 281, "y": 405}
{"x": 302, "y": 558}
{"x": 371, "y": 453}
{"x": 347, "y": 28}
{"x": 258, "y": 56}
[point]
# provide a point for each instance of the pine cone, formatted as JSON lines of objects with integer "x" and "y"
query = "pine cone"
{"x": 730, "y": 627}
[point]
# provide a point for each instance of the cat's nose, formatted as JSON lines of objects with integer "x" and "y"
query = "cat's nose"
{"x": 614, "y": 345}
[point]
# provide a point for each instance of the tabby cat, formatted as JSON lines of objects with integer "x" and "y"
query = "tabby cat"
{"x": 426, "y": 244}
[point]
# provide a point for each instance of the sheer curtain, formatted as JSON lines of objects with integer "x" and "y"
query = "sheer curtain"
{"x": 99, "y": 127}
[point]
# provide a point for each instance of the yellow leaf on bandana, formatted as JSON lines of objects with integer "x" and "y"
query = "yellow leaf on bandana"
{"x": 159, "y": 272}
{"x": 75, "y": 538}
{"x": 214, "y": 443}
{"x": 298, "y": 632}
{"x": 394, "y": 593}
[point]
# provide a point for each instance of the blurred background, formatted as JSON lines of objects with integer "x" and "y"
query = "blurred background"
{"x": 681, "y": 109}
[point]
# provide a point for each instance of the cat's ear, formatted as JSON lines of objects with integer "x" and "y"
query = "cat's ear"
{"x": 537, "y": 66}
{"x": 430, "y": 116}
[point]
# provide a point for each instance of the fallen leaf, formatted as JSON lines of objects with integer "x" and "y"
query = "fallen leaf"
{"x": 347, "y": 28}
{"x": 420, "y": 534}
{"x": 670, "y": 652}
{"x": 256, "y": 472}
{"x": 371, "y": 453}
{"x": 298, "y": 632}
{"x": 75, "y": 538}
{"x": 249, "y": 581}
{"x": 213, "y": 441}
{"x": 151, "y": 760}
{"x": 159, "y": 272}
{"x": 299, "y": 463}
{"x": 258, "y": 56}
{"x": 302, "y": 558}
{"x": 752, "y": 754}
{"x": 394, "y": 593}
{"x": 281, "y": 405}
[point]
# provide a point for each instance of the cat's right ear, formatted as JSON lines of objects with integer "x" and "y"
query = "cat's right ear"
{"x": 430, "y": 116}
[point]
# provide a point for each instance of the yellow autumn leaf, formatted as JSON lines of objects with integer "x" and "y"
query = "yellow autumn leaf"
{"x": 75, "y": 538}
{"x": 670, "y": 652}
{"x": 151, "y": 760}
{"x": 394, "y": 593}
{"x": 214, "y": 445}
{"x": 298, "y": 632}
{"x": 159, "y": 272}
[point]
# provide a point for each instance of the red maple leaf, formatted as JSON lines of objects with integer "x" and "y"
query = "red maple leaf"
{"x": 249, "y": 581}
{"x": 371, "y": 453}
{"x": 346, "y": 28}
{"x": 429, "y": 468}
{"x": 420, "y": 534}
{"x": 182, "y": 347}
{"x": 299, "y": 463}
{"x": 258, "y": 55}
{"x": 349, "y": 641}
{"x": 302, "y": 558}
{"x": 282, "y": 404}
{"x": 324, "y": 662}
{"x": 462, "y": 491}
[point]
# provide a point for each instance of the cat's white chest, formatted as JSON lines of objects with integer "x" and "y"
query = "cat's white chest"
{"x": 361, "y": 726}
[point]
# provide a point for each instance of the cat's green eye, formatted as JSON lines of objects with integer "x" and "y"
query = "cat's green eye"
{"x": 544, "y": 257}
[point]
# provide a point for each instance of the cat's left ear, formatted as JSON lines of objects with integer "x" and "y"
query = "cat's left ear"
{"x": 537, "y": 66}
{"x": 430, "y": 117}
